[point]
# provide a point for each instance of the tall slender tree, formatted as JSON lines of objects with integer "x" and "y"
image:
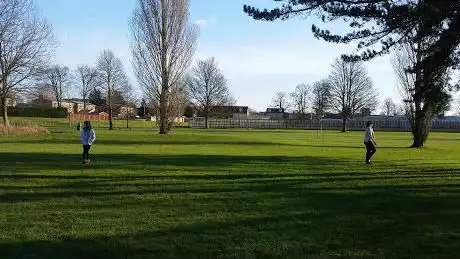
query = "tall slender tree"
{"x": 163, "y": 46}
{"x": 25, "y": 43}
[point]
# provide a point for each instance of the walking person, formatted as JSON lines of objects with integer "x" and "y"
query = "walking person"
{"x": 88, "y": 136}
{"x": 369, "y": 142}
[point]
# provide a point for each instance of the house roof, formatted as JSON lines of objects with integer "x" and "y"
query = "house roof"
{"x": 77, "y": 101}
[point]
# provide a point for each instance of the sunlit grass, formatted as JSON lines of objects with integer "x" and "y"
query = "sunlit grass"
{"x": 229, "y": 194}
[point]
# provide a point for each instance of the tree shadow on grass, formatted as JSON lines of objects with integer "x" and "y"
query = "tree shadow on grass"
{"x": 314, "y": 144}
{"x": 154, "y": 181}
{"x": 17, "y": 162}
{"x": 318, "y": 212}
{"x": 309, "y": 224}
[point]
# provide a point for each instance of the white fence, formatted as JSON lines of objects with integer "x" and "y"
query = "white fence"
{"x": 327, "y": 124}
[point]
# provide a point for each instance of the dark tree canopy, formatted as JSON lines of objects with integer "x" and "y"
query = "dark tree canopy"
{"x": 430, "y": 27}
{"x": 379, "y": 25}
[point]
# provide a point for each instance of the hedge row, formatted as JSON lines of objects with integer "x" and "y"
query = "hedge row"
{"x": 37, "y": 112}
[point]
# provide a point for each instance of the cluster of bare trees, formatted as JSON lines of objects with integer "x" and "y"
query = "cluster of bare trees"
{"x": 390, "y": 108}
{"x": 26, "y": 41}
{"x": 108, "y": 77}
{"x": 26, "y": 46}
{"x": 346, "y": 91}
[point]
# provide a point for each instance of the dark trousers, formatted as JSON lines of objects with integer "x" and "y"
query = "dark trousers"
{"x": 370, "y": 147}
{"x": 86, "y": 149}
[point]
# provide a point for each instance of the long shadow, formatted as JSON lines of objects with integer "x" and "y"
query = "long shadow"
{"x": 97, "y": 186}
{"x": 308, "y": 225}
{"x": 193, "y": 142}
{"x": 28, "y": 162}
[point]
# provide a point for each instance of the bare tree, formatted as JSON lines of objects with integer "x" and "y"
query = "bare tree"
{"x": 163, "y": 46}
{"x": 57, "y": 79}
{"x": 25, "y": 41}
{"x": 457, "y": 107}
{"x": 300, "y": 98}
{"x": 87, "y": 77}
{"x": 403, "y": 60}
{"x": 207, "y": 87}
{"x": 351, "y": 89}
{"x": 321, "y": 98}
{"x": 177, "y": 102}
{"x": 425, "y": 94}
{"x": 389, "y": 107}
{"x": 281, "y": 100}
{"x": 112, "y": 79}
{"x": 400, "y": 110}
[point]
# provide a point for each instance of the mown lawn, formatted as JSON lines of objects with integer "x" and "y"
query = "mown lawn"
{"x": 229, "y": 194}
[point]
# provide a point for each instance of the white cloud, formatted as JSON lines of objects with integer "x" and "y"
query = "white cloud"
{"x": 201, "y": 22}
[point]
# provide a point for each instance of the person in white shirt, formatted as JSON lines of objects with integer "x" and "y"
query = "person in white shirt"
{"x": 88, "y": 136}
{"x": 369, "y": 142}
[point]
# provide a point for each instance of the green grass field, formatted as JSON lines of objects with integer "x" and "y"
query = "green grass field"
{"x": 229, "y": 194}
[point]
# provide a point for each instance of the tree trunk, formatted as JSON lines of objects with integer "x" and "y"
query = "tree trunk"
{"x": 110, "y": 119}
{"x": 109, "y": 102}
{"x": 5, "y": 113}
{"x": 421, "y": 128}
{"x": 344, "y": 125}
{"x": 206, "y": 122}
{"x": 163, "y": 114}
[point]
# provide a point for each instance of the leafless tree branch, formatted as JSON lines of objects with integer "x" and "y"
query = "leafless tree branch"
{"x": 351, "y": 89}
{"x": 207, "y": 87}
{"x": 300, "y": 98}
{"x": 112, "y": 79}
{"x": 26, "y": 40}
{"x": 87, "y": 77}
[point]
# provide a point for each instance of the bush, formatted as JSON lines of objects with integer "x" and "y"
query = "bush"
{"x": 22, "y": 131}
{"x": 37, "y": 112}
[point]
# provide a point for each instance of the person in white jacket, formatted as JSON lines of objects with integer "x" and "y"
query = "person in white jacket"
{"x": 369, "y": 141}
{"x": 88, "y": 136}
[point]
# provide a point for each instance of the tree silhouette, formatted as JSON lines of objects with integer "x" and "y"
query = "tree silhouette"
{"x": 432, "y": 27}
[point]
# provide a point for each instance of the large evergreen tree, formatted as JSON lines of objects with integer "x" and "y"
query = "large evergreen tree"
{"x": 432, "y": 27}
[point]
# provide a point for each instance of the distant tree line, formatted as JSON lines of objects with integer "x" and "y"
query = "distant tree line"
{"x": 424, "y": 34}
{"x": 346, "y": 91}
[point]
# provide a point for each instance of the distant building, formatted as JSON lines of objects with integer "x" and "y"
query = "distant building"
{"x": 75, "y": 106}
{"x": 275, "y": 113}
{"x": 258, "y": 116}
{"x": 227, "y": 112}
{"x": 126, "y": 111}
{"x": 10, "y": 102}
{"x": 365, "y": 112}
{"x": 181, "y": 119}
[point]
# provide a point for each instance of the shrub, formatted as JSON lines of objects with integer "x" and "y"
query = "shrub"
{"x": 37, "y": 112}
{"x": 22, "y": 131}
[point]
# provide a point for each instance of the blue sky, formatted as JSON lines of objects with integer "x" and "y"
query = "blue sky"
{"x": 258, "y": 58}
